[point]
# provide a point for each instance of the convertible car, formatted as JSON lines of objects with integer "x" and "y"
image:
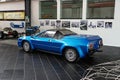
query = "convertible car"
{"x": 63, "y": 42}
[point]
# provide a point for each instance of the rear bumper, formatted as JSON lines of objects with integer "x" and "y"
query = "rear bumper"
{"x": 95, "y": 48}
{"x": 90, "y": 52}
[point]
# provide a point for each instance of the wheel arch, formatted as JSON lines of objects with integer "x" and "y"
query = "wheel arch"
{"x": 67, "y": 47}
{"x": 29, "y": 43}
{"x": 79, "y": 51}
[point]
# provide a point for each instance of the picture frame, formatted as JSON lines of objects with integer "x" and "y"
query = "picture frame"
{"x": 83, "y": 24}
{"x": 66, "y": 24}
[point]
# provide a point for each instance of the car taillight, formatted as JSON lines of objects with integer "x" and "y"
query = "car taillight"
{"x": 91, "y": 46}
{"x": 100, "y": 42}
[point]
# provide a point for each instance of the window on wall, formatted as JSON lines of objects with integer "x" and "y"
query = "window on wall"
{"x": 13, "y": 15}
{"x": 71, "y": 9}
{"x": 48, "y": 9}
{"x": 100, "y": 9}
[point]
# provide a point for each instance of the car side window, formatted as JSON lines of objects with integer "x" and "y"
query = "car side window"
{"x": 58, "y": 35}
{"x": 47, "y": 34}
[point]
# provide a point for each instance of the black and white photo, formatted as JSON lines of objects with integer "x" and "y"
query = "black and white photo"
{"x": 52, "y": 23}
{"x": 108, "y": 24}
{"x": 58, "y": 23}
{"x": 66, "y": 24}
{"x": 83, "y": 24}
{"x": 41, "y": 23}
{"x": 100, "y": 24}
{"x": 47, "y": 22}
{"x": 75, "y": 24}
{"x": 92, "y": 25}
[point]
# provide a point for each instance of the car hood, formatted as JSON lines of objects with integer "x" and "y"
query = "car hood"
{"x": 83, "y": 36}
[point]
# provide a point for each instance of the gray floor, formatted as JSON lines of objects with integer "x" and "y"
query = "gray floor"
{"x": 18, "y": 65}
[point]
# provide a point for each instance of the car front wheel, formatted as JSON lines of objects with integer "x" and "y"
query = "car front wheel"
{"x": 26, "y": 46}
{"x": 71, "y": 55}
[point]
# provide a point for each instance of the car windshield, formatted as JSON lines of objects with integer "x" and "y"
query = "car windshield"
{"x": 48, "y": 34}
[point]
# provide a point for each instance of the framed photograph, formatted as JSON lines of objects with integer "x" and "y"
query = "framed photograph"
{"x": 108, "y": 24}
{"x": 66, "y": 24}
{"x": 52, "y": 23}
{"x": 47, "y": 22}
{"x": 75, "y": 24}
{"x": 58, "y": 23}
{"x": 41, "y": 23}
{"x": 100, "y": 24}
{"x": 83, "y": 24}
{"x": 92, "y": 25}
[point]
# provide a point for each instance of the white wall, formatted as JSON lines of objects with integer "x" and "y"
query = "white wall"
{"x": 6, "y": 6}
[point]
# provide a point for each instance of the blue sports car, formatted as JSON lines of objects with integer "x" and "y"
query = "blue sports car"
{"x": 63, "y": 42}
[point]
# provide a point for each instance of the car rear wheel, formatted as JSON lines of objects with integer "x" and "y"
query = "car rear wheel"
{"x": 1, "y": 35}
{"x": 26, "y": 46}
{"x": 71, "y": 55}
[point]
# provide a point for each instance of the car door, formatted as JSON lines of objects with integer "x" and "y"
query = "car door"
{"x": 57, "y": 43}
{"x": 41, "y": 41}
{"x": 46, "y": 42}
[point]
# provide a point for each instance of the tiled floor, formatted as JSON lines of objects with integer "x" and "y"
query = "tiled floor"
{"x": 18, "y": 65}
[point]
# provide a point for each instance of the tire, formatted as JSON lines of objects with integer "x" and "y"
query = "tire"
{"x": 71, "y": 55}
{"x": 15, "y": 34}
{"x": 26, "y": 46}
{"x": 1, "y": 35}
